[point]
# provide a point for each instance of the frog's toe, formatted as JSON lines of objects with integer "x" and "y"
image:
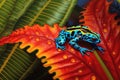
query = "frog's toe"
{"x": 87, "y": 50}
{"x": 101, "y": 49}
{"x": 83, "y": 52}
{"x": 62, "y": 47}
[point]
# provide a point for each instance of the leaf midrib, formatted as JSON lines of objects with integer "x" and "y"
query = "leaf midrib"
{"x": 37, "y": 15}
{"x": 2, "y": 3}
{"x": 23, "y": 75}
{"x": 26, "y": 6}
{"x": 9, "y": 56}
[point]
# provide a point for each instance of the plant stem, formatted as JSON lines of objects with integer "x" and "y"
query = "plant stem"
{"x": 103, "y": 66}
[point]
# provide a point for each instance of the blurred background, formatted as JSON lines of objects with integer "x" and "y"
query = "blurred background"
{"x": 74, "y": 18}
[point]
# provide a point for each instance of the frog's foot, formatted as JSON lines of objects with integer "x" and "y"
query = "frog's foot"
{"x": 100, "y": 49}
{"x": 60, "y": 47}
{"x": 84, "y": 50}
{"x": 95, "y": 47}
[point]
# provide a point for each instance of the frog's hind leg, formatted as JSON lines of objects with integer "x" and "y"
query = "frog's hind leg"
{"x": 60, "y": 40}
{"x": 75, "y": 45}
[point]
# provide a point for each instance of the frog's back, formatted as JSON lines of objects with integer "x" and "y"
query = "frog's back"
{"x": 72, "y": 32}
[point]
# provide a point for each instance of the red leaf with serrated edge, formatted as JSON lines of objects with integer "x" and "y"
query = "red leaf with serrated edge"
{"x": 68, "y": 64}
{"x": 97, "y": 17}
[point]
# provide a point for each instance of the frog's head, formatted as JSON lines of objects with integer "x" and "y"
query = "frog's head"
{"x": 90, "y": 36}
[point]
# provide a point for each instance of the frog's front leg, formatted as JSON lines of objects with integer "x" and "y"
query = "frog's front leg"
{"x": 98, "y": 48}
{"x": 60, "y": 40}
{"x": 74, "y": 44}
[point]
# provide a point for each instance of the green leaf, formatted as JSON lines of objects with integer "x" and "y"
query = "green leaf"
{"x": 118, "y": 1}
{"x": 18, "y": 10}
{"x": 16, "y": 63}
{"x": 6, "y": 7}
{"x": 47, "y": 12}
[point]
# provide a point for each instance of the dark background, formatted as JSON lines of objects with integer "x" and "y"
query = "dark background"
{"x": 75, "y": 16}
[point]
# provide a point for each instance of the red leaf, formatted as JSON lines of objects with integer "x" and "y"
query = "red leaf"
{"x": 97, "y": 17}
{"x": 68, "y": 64}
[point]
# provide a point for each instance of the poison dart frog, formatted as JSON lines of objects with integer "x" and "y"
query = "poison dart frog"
{"x": 75, "y": 34}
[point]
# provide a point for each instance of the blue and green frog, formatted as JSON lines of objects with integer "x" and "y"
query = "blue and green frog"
{"x": 75, "y": 34}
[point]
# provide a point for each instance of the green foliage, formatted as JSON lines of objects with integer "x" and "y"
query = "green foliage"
{"x": 18, "y": 9}
{"x": 16, "y": 63}
{"x": 118, "y": 1}
{"x": 6, "y": 7}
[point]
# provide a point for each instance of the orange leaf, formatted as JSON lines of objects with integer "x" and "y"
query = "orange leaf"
{"x": 68, "y": 64}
